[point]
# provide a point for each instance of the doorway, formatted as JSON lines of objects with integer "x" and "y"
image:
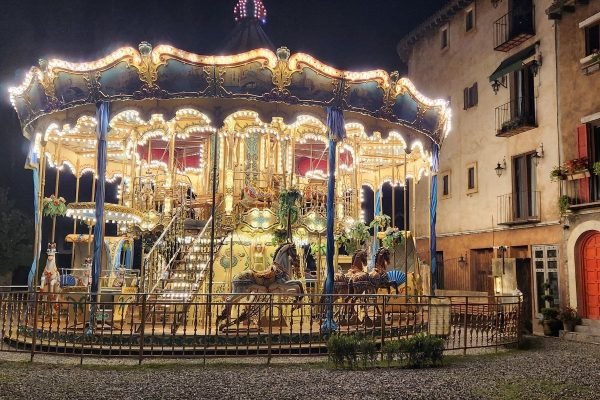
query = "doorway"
{"x": 590, "y": 276}
{"x": 524, "y": 285}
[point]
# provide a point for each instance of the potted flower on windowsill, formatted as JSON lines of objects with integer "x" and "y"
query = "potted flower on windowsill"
{"x": 577, "y": 168}
{"x": 570, "y": 318}
{"x": 596, "y": 168}
{"x": 558, "y": 173}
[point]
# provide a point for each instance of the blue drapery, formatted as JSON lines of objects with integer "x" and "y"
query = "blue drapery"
{"x": 102, "y": 111}
{"x": 433, "y": 215}
{"x": 33, "y": 162}
{"x": 377, "y": 211}
{"x": 337, "y": 132}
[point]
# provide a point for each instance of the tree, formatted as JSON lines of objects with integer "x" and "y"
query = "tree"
{"x": 16, "y": 235}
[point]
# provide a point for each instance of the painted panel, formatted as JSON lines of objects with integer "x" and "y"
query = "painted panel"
{"x": 120, "y": 80}
{"x": 71, "y": 88}
{"x": 177, "y": 77}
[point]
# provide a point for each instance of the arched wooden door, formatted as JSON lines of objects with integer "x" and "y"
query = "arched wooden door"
{"x": 590, "y": 276}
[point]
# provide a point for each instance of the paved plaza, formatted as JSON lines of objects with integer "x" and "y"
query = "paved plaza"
{"x": 551, "y": 369}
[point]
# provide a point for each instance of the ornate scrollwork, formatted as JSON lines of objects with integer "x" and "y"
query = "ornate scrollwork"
{"x": 148, "y": 68}
{"x": 46, "y": 78}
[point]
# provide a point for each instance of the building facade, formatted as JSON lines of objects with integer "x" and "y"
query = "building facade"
{"x": 578, "y": 79}
{"x": 495, "y": 62}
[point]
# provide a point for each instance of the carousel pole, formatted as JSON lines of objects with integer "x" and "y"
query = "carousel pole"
{"x": 211, "y": 261}
{"x": 102, "y": 112}
{"x": 56, "y": 185}
{"x": 77, "y": 182}
{"x": 39, "y": 182}
{"x": 433, "y": 215}
{"x": 404, "y": 215}
{"x": 337, "y": 132}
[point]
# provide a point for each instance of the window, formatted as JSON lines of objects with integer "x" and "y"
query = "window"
{"x": 445, "y": 185}
{"x": 588, "y": 144}
{"x": 472, "y": 178}
{"x": 522, "y": 99}
{"x": 469, "y": 19}
{"x": 592, "y": 39}
{"x": 470, "y": 96}
{"x": 524, "y": 197}
{"x": 545, "y": 262}
{"x": 444, "y": 36}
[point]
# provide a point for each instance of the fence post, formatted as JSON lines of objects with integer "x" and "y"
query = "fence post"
{"x": 519, "y": 322}
{"x": 465, "y": 326}
{"x": 35, "y": 313}
{"x": 142, "y": 330}
{"x": 382, "y": 316}
{"x": 270, "y": 338}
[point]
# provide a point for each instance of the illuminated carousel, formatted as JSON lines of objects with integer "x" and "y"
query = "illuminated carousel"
{"x": 221, "y": 163}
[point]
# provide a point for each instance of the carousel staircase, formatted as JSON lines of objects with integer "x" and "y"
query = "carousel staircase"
{"x": 170, "y": 296}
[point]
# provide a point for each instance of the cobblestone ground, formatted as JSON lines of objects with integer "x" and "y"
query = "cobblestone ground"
{"x": 553, "y": 369}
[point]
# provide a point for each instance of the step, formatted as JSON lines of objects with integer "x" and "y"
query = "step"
{"x": 588, "y": 329}
{"x": 591, "y": 322}
{"x": 580, "y": 337}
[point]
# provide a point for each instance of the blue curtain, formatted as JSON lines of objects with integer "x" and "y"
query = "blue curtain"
{"x": 433, "y": 215}
{"x": 337, "y": 132}
{"x": 377, "y": 211}
{"x": 102, "y": 112}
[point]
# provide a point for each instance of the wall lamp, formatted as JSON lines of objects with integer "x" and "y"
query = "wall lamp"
{"x": 496, "y": 83}
{"x": 500, "y": 167}
{"x": 462, "y": 262}
{"x": 539, "y": 153}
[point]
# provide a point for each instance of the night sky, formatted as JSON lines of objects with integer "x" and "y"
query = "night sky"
{"x": 346, "y": 34}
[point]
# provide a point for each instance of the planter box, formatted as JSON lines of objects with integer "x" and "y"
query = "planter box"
{"x": 578, "y": 175}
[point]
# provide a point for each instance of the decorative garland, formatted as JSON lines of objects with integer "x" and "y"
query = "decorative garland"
{"x": 54, "y": 206}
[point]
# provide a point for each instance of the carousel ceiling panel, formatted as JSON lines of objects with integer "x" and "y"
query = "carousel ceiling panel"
{"x": 168, "y": 73}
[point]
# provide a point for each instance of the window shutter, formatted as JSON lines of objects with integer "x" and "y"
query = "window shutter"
{"x": 582, "y": 151}
{"x": 466, "y": 98}
{"x": 475, "y": 96}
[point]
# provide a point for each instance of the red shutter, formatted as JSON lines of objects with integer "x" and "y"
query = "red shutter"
{"x": 582, "y": 151}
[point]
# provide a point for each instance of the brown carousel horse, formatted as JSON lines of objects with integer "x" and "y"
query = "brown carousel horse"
{"x": 274, "y": 280}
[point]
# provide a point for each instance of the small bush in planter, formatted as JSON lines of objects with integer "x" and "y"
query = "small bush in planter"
{"x": 367, "y": 352}
{"x": 550, "y": 321}
{"x": 569, "y": 317}
{"x": 422, "y": 350}
{"x": 391, "y": 350}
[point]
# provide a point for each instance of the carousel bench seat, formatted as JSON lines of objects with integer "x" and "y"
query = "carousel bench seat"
{"x": 191, "y": 224}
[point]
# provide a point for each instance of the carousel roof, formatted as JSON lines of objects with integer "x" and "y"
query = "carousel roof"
{"x": 165, "y": 78}
{"x": 247, "y": 34}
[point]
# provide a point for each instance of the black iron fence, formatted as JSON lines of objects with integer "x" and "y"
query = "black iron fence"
{"x": 264, "y": 325}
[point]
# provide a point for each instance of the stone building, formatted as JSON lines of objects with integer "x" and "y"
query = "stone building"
{"x": 578, "y": 85}
{"x": 495, "y": 61}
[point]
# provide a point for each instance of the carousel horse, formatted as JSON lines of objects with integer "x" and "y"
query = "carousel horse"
{"x": 274, "y": 280}
{"x": 50, "y": 282}
{"x": 381, "y": 278}
{"x": 360, "y": 281}
{"x": 342, "y": 284}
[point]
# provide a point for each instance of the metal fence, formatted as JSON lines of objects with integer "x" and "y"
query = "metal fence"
{"x": 264, "y": 325}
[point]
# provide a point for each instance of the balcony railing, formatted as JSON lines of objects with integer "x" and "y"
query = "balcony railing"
{"x": 519, "y": 208}
{"x": 514, "y": 28}
{"x": 582, "y": 190}
{"x": 516, "y": 116}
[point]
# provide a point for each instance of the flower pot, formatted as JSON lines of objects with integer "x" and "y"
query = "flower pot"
{"x": 569, "y": 326}
{"x": 551, "y": 327}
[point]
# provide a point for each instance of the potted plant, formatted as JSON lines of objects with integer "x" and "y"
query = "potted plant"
{"x": 563, "y": 205}
{"x": 392, "y": 238}
{"x": 54, "y": 206}
{"x": 577, "y": 168}
{"x": 289, "y": 208}
{"x": 558, "y": 172}
{"x": 569, "y": 318}
{"x": 596, "y": 168}
{"x": 550, "y": 320}
{"x": 352, "y": 238}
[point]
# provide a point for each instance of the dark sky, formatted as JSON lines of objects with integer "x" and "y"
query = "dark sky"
{"x": 347, "y": 34}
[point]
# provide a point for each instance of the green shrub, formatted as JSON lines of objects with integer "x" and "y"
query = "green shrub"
{"x": 367, "y": 352}
{"x": 422, "y": 350}
{"x": 342, "y": 349}
{"x": 391, "y": 350}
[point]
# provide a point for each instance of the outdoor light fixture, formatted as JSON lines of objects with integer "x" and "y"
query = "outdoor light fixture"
{"x": 500, "y": 167}
{"x": 497, "y": 83}
{"x": 539, "y": 153}
{"x": 535, "y": 67}
{"x": 462, "y": 262}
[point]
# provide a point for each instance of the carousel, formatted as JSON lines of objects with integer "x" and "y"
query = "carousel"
{"x": 240, "y": 173}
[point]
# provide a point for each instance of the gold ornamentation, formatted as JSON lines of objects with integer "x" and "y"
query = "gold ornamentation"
{"x": 147, "y": 66}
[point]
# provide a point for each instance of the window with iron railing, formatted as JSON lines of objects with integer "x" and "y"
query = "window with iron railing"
{"x": 514, "y": 27}
{"x": 519, "y": 114}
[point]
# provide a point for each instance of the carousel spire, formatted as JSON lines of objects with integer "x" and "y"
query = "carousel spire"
{"x": 252, "y": 9}
{"x": 248, "y": 33}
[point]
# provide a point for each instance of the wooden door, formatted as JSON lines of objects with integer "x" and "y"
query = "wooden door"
{"x": 481, "y": 269}
{"x": 590, "y": 258}
{"x": 524, "y": 285}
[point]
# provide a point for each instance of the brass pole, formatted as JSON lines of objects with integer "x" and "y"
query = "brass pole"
{"x": 56, "y": 185}
{"x": 38, "y": 228}
{"x": 404, "y": 215}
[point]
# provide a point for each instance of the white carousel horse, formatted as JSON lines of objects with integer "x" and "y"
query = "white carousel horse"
{"x": 50, "y": 282}
{"x": 274, "y": 280}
